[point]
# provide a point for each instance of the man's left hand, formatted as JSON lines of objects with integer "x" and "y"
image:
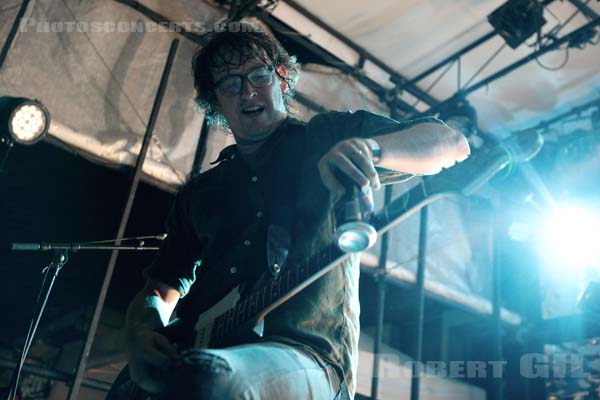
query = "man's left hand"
{"x": 352, "y": 158}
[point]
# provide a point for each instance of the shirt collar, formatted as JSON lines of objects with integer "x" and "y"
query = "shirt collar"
{"x": 230, "y": 152}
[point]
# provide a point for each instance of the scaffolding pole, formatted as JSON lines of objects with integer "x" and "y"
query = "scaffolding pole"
{"x": 74, "y": 390}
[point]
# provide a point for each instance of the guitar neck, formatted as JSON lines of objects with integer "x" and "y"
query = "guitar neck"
{"x": 275, "y": 291}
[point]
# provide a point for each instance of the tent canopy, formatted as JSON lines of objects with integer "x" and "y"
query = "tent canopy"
{"x": 105, "y": 65}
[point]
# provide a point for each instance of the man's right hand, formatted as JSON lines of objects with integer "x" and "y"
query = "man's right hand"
{"x": 149, "y": 355}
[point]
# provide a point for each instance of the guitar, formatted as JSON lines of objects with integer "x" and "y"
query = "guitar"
{"x": 220, "y": 325}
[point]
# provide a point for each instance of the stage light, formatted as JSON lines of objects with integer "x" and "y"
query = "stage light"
{"x": 517, "y": 20}
{"x": 570, "y": 237}
{"x": 23, "y": 120}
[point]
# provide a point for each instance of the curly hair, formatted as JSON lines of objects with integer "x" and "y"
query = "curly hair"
{"x": 231, "y": 47}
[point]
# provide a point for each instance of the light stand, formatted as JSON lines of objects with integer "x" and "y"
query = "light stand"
{"x": 60, "y": 258}
{"x": 8, "y": 144}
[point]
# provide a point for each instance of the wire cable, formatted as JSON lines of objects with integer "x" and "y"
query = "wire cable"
{"x": 488, "y": 61}
{"x": 157, "y": 237}
{"x": 33, "y": 325}
{"x": 562, "y": 64}
{"x": 435, "y": 82}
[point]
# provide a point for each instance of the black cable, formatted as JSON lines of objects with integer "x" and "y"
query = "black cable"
{"x": 485, "y": 64}
{"x": 564, "y": 62}
{"x": 9, "y": 146}
{"x": 33, "y": 325}
{"x": 552, "y": 35}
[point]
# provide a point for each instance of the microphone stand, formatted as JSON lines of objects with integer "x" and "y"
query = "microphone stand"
{"x": 59, "y": 259}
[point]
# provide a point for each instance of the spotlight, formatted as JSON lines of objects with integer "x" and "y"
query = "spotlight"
{"x": 570, "y": 237}
{"x": 516, "y": 20}
{"x": 25, "y": 121}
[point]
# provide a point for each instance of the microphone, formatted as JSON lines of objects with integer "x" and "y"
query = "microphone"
{"x": 26, "y": 246}
{"x": 353, "y": 232}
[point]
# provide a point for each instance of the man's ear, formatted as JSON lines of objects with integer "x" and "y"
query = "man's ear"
{"x": 282, "y": 72}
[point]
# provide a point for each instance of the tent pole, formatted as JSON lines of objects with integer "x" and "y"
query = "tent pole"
{"x": 381, "y": 289}
{"x": 420, "y": 306}
{"x": 74, "y": 390}
{"x": 200, "y": 148}
{"x": 497, "y": 350}
{"x": 13, "y": 32}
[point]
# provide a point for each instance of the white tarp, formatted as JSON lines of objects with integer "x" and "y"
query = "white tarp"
{"x": 410, "y": 36}
{"x": 103, "y": 82}
{"x": 98, "y": 72}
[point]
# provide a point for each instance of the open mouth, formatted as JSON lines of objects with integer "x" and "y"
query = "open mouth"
{"x": 254, "y": 110}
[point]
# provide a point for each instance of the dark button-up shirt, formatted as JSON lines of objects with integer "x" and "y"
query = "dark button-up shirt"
{"x": 217, "y": 234}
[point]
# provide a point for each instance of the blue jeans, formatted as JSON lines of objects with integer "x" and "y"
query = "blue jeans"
{"x": 266, "y": 370}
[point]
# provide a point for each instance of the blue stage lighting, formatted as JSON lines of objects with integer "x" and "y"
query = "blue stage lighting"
{"x": 570, "y": 237}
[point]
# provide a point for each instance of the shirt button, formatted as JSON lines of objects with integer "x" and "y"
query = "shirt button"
{"x": 233, "y": 270}
{"x": 254, "y": 178}
{"x": 259, "y": 214}
{"x": 246, "y": 243}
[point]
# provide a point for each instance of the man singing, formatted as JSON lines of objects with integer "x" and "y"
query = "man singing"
{"x": 267, "y": 206}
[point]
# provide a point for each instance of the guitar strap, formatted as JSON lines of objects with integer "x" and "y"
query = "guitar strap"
{"x": 345, "y": 394}
{"x": 283, "y": 200}
{"x": 278, "y": 247}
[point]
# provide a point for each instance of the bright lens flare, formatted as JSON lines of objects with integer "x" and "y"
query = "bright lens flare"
{"x": 28, "y": 123}
{"x": 571, "y": 237}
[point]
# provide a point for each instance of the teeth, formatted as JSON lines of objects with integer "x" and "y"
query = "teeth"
{"x": 250, "y": 109}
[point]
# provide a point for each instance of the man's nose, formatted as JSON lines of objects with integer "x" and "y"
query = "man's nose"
{"x": 248, "y": 90}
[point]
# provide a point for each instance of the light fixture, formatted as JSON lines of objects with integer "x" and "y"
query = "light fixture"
{"x": 517, "y": 20}
{"x": 570, "y": 237}
{"x": 23, "y": 120}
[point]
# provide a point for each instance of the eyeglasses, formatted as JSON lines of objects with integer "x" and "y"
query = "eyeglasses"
{"x": 259, "y": 77}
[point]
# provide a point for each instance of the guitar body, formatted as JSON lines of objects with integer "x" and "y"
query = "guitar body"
{"x": 123, "y": 388}
{"x": 234, "y": 320}
{"x": 185, "y": 335}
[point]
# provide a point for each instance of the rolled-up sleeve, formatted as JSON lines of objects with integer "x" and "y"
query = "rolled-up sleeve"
{"x": 366, "y": 124}
{"x": 181, "y": 251}
{"x": 345, "y": 125}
